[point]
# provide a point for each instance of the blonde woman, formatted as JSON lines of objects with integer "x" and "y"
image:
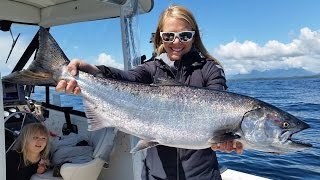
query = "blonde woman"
{"x": 30, "y": 153}
{"x": 181, "y": 56}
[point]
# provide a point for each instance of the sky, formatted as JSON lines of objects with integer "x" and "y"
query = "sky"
{"x": 244, "y": 35}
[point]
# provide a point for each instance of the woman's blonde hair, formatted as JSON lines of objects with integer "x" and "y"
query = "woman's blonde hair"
{"x": 27, "y": 132}
{"x": 180, "y": 12}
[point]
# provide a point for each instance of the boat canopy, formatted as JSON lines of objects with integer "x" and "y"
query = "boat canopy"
{"x": 48, "y": 13}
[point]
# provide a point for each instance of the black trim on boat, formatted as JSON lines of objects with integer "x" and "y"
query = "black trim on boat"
{"x": 58, "y": 108}
{"x": 47, "y": 95}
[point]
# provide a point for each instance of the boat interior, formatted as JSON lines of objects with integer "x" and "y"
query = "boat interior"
{"x": 68, "y": 127}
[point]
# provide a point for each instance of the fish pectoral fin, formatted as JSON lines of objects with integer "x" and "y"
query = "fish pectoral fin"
{"x": 223, "y": 138}
{"x": 143, "y": 144}
{"x": 95, "y": 122}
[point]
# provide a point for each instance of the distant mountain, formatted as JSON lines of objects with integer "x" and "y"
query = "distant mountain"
{"x": 275, "y": 73}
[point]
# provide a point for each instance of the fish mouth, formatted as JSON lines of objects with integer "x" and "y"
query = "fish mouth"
{"x": 297, "y": 142}
{"x": 301, "y": 126}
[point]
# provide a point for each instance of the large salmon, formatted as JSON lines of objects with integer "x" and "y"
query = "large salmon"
{"x": 172, "y": 115}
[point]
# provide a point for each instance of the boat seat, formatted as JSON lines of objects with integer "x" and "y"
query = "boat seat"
{"x": 102, "y": 142}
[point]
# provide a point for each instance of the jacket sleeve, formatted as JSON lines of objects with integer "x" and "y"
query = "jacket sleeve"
{"x": 142, "y": 73}
{"x": 214, "y": 76}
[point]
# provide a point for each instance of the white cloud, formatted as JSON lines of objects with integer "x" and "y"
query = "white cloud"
{"x": 302, "y": 52}
{"x": 107, "y": 60}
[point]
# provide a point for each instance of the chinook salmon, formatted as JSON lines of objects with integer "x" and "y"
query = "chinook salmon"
{"x": 171, "y": 115}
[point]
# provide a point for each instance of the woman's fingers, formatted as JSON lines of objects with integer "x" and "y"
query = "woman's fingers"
{"x": 61, "y": 86}
{"x": 68, "y": 87}
{"x": 76, "y": 90}
{"x": 238, "y": 147}
{"x": 73, "y": 67}
{"x": 228, "y": 146}
{"x": 71, "y": 85}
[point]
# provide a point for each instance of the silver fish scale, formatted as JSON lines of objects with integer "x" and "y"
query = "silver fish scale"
{"x": 166, "y": 114}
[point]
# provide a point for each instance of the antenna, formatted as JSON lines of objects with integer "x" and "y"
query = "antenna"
{"x": 13, "y": 43}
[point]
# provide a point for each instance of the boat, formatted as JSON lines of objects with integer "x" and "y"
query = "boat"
{"x": 110, "y": 159}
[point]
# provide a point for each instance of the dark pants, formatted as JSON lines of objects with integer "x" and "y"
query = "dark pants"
{"x": 167, "y": 163}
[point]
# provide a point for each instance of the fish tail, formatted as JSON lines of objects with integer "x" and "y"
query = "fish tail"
{"x": 46, "y": 68}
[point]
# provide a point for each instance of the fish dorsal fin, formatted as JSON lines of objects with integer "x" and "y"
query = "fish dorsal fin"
{"x": 165, "y": 82}
{"x": 143, "y": 144}
{"x": 95, "y": 121}
{"x": 223, "y": 137}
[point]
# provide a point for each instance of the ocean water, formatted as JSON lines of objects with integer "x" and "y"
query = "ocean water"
{"x": 300, "y": 97}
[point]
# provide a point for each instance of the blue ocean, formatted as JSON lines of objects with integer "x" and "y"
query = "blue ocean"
{"x": 298, "y": 96}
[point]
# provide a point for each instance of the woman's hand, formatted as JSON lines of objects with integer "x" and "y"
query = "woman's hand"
{"x": 228, "y": 146}
{"x": 73, "y": 67}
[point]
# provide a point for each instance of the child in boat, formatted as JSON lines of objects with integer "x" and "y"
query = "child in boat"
{"x": 30, "y": 153}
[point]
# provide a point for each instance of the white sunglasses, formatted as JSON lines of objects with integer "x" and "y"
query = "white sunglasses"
{"x": 184, "y": 36}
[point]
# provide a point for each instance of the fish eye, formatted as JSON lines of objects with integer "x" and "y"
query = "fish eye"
{"x": 285, "y": 124}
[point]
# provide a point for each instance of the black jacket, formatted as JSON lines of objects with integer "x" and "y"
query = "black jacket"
{"x": 165, "y": 162}
{"x": 16, "y": 169}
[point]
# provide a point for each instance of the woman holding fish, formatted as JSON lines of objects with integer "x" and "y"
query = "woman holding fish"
{"x": 181, "y": 57}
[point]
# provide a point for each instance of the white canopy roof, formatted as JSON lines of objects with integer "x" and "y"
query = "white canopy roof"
{"x": 49, "y": 13}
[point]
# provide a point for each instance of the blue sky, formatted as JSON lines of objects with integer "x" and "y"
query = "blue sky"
{"x": 244, "y": 35}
